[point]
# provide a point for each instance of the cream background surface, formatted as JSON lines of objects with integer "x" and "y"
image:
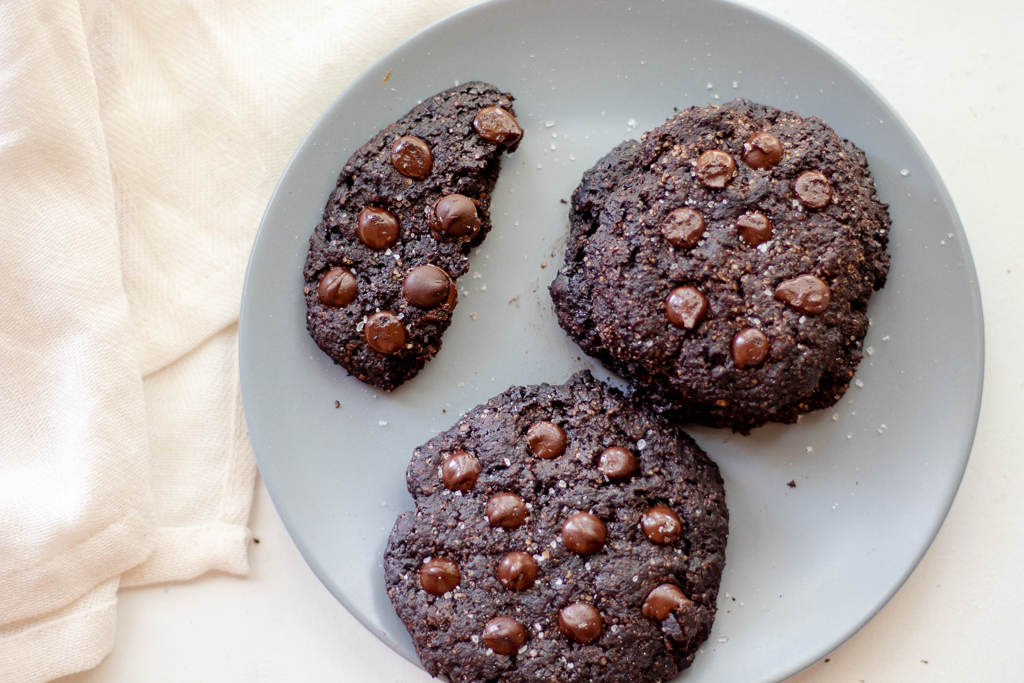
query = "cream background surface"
{"x": 952, "y": 70}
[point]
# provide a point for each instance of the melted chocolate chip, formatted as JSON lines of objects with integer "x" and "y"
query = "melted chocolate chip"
{"x": 762, "y": 150}
{"x": 384, "y": 332}
{"x": 426, "y": 286}
{"x": 438, "y": 575}
{"x": 662, "y": 525}
{"x": 377, "y": 228}
{"x": 813, "y": 189}
{"x": 754, "y": 228}
{"x": 683, "y": 228}
{"x": 547, "y": 440}
{"x": 504, "y": 635}
{"x": 618, "y": 464}
{"x": 715, "y": 169}
{"x": 454, "y": 216}
{"x": 584, "y": 533}
{"x": 517, "y": 571}
{"x": 337, "y": 288}
{"x": 749, "y": 348}
{"x": 412, "y": 157}
{"x": 686, "y": 307}
{"x": 459, "y": 471}
{"x": 506, "y": 510}
{"x": 805, "y": 293}
{"x": 496, "y": 125}
{"x": 663, "y": 601}
{"x": 580, "y": 622}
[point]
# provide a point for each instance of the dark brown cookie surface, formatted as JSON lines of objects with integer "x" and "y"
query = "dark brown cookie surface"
{"x": 750, "y": 311}
{"x": 563, "y": 572}
{"x": 408, "y": 207}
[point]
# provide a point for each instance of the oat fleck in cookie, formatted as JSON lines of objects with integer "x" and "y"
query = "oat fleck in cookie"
{"x": 396, "y": 233}
{"x": 561, "y": 533}
{"x": 723, "y": 264}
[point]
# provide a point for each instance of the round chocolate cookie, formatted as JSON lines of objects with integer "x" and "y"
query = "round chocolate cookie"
{"x": 599, "y": 563}
{"x": 396, "y": 233}
{"x": 723, "y": 264}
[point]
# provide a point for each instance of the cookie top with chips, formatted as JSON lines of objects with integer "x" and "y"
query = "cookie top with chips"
{"x": 379, "y": 279}
{"x": 723, "y": 264}
{"x": 560, "y": 533}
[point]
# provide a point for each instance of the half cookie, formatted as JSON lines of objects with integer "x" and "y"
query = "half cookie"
{"x": 397, "y": 230}
{"x": 560, "y": 533}
{"x": 723, "y": 264}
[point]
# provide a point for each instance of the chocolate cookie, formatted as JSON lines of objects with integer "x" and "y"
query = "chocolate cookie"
{"x": 396, "y": 233}
{"x": 561, "y": 533}
{"x": 724, "y": 264}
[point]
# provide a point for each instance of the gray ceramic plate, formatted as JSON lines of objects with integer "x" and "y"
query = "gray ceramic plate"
{"x": 875, "y": 476}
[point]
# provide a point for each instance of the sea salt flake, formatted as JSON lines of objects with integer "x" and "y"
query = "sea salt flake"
{"x": 810, "y": 449}
{"x": 383, "y": 423}
{"x": 723, "y": 639}
{"x": 859, "y": 382}
{"x": 870, "y": 350}
{"x": 641, "y": 444}
{"x": 475, "y": 638}
{"x": 904, "y": 172}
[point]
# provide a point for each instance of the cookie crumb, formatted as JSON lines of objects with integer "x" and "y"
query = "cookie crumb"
{"x": 791, "y": 483}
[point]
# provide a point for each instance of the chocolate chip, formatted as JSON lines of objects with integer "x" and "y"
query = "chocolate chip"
{"x": 813, "y": 189}
{"x": 504, "y": 635}
{"x": 584, "y": 533}
{"x": 454, "y": 216}
{"x": 581, "y": 622}
{"x": 683, "y": 228}
{"x": 459, "y": 471}
{"x": 517, "y": 571}
{"x": 496, "y": 125}
{"x": 663, "y": 601}
{"x": 412, "y": 157}
{"x": 377, "y": 228}
{"x": 426, "y": 286}
{"x": 547, "y": 440}
{"x": 384, "y": 332}
{"x": 754, "y": 228}
{"x": 662, "y": 525}
{"x": 686, "y": 307}
{"x": 453, "y": 297}
{"x": 805, "y": 293}
{"x": 506, "y": 510}
{"x": 749, "y": 348}
{"x": 715, "y": 169}
{"x": 618, "y": 464}
{"x": 337, "y": 288}
{"x": 762, "y": 150}
{"x": 438, "y": 575}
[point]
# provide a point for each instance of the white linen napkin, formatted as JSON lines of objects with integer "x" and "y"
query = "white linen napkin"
{"x": 139, "y": 144}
